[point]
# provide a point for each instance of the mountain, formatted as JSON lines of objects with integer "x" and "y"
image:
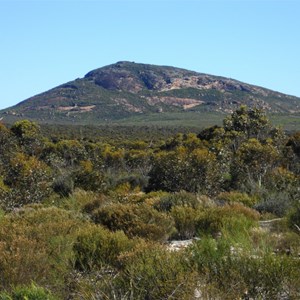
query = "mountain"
{"x": 126, "y": 89}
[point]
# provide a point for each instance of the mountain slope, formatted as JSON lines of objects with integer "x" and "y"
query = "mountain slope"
{"x": 128, "y": 89}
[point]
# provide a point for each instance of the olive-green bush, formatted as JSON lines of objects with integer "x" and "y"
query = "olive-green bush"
{"x": 96, "y": 247}
{"x": 213, "y": 220}
{"x": 153, "y": 272}
{"x": 237, "y": 197}
{"x": 186, "y": 221}
{"x": 30, "y": 292}
{"x": 167, "y": 202}
{"x": 36, "y": 245}
{"x": 139, "y": 220}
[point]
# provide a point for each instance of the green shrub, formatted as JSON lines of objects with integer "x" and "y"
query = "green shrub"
{"x": 209, "y": 222}
{"x": 177, "y": 199}
{"x": 213, "y": 220}
{"x": 36, "y": 245}
{"x": 134, "y": 180}
{"x": 31, "y": 292}
{"x": 95, "y": 203}
{"x": 89, "y": 178}
{"x": 79, "y": 201}
{"x": 238, "y": 197}
{"x": 28, "y": 179}
{"x": 151, "y": 199}
{"x": 286, "y": 243}
{"x": 229, "y": 272}
{"x": 149, "y": 271}
{"x": 96, "y": 246}
{"x": 63, "y": 186}
{"x": 135, "y": 220}
{"x": 186, "y": 219}
{"x": 97, "y": 284}
{"x": 153, "y": 272}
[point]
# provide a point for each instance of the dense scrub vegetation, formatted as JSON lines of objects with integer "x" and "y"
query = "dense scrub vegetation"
{"x": 86, "y": 218}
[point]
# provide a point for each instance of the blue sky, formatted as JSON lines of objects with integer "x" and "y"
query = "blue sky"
{"x": 47, "y": 43}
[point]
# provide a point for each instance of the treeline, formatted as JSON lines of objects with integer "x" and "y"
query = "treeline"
{"x": 113, "y": 133}
{"x": 88, "y": 217}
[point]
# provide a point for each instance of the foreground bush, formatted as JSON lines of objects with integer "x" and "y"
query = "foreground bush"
{"x": 153, "y": 272}
{"x": 230, "y": 272}
{"x": 31, "y": 292}
{"x": 96, "y": 246}
{"x": 149, "y": 271}
{"x": 36, "y": 245}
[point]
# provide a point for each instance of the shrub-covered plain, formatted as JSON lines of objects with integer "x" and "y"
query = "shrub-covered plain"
{"x": 88, "y": 218}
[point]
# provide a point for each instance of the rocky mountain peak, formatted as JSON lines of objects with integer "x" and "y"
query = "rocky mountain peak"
{"x": 124, "y": 89}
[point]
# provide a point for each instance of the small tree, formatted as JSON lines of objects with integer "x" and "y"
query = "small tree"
{"x": 29, "y": 137}
{"x": 253, "y": 162}
{"x": 252, "y": 122}
{"x": 28, "y": 180}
